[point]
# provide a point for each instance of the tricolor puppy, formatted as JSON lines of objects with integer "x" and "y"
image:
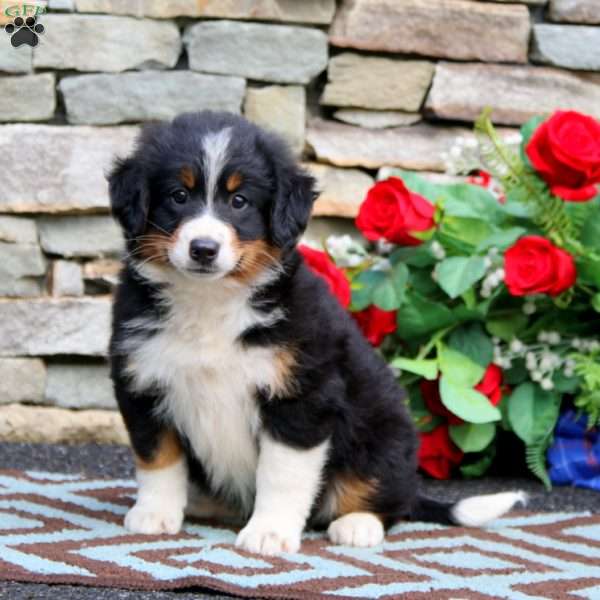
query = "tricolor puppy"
{"x": 247, "y": 390}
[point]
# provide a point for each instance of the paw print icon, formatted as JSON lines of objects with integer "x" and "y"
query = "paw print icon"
{"x": 24, "y": 31}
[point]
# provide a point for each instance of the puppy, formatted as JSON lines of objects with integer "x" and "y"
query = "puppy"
{"x": 247, "y": 390}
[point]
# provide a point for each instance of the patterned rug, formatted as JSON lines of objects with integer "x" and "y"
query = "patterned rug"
{"x": 67, "y": 529}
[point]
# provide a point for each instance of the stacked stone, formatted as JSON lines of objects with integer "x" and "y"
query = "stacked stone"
{"x": 354, "y": 86}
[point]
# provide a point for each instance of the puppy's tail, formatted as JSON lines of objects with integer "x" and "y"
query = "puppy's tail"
{"x": 475, "y": 511}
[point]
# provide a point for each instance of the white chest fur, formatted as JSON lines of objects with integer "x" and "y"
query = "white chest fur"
{"x": 208, "y": 378}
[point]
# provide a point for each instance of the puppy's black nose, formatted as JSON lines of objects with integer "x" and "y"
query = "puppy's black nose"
{"x": 203, "y": 250}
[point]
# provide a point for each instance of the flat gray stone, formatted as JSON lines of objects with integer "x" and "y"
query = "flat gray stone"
{"x": 22, "y": 380}
{"x": 147, "y": 95}
{"x": 15, "y": 60}
{"x": 27, "y": 97}
{"x": 21, "y": 266}
{"x": 575, "y": 11}
{"x": 18, "y": 230}
{"x": 93, "y": 236}
{"x": 376, "y": 119}
{"x": 70, "y": 165}
{"x": 515, "y": 93}
{"x": 419, "y": 147}
{"x": 106, "y": 43}
{"x": 66, "y": 279}
{"x": 458, "y": 29}
{"x": 45, "y": 327}
{"x": 570, "y": 46}
{"x": 374, "y": 82}
{"x": 53, "y": 425}
{"x": 79, "y": 386}
{"x": 277, "y": 53}
{"x": 103, "y": 272}
{"x": 303, "y": 11}
{"x": 281, "y": 109}
{"x": 341, "y": 191}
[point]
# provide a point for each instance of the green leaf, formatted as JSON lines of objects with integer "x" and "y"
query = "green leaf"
{"x": 363, "y": 286}
{"x": 431, "y": 191}
{"x": 422, "y": 418}
{"x": 507, "y": 327}
{"x": 425, "y": 367}
{"x": 588, "y": 271}
{"x": 468, "y": 231}
{"x": 472, "y": 437}
{"x": 390, "y": 292}
{"x": 532, "y": 412}
{"x": 596, "y": 302}
{"x": 479, "y": 467}
{"x": 467, "y": 403}
{"x": 472, "y": 341}
{"x": 457, "y": 274}
{"x": 471, "y": 201}
{"x": 459, "y": 368}
{"x": 501, "y": 239}
{"x": 414, "y": 256}
{"x": 384, "y": 296}
{"x": 420, "y": 316}
{"x": 527, "y": 130}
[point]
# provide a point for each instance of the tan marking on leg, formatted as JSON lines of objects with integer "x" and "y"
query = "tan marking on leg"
{"x": 233, "y": 182}
{"x": 187, "y": 177}
{"x": 285, "y": 381}
{"x": 254, "y": 257}
{"x": 169, "y": 451}
{"x": 353, "y": 494}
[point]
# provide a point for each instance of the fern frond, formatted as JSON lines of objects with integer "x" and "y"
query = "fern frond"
{"x": 505, "y": 165}
{"x": 535, "y": 455}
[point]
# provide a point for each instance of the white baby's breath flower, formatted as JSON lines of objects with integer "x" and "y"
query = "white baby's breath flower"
{"x": 553, "y": 338}
{"x": 381, "y": 264}
{"x": 487, "y": 261}
{"x": 531, "y": 361}
{"x": 542, "y": 336}
{"x": 517, "y": 346}
{"x": 593, "y": 345}
{"x": 568, "y": 372}
{"x": 493, "y": 252}
{"x": 537, "y": 375}
{"x": 576, "y": 343}
{"x": 500, "y": 274}
{"x": 547, "y": 384}
{"x": 529, "y": 308}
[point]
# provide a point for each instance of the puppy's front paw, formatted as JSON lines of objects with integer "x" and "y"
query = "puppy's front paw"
{"x": 152, "y": 520}
{"x": 269, "y": 536}
{"x": 357, "y": 529}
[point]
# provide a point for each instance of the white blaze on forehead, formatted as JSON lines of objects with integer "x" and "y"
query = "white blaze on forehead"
{"x": 214, "y": 145}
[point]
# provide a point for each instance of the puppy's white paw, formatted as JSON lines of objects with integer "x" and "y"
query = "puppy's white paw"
{"x": 269, "y": 536}
{"x": 357, "y": 529}
{"x": 147, "y": 519}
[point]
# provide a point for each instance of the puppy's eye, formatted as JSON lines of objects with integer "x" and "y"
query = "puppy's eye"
{"x": 179, "y": 196}
{"x": 238, "y": 201}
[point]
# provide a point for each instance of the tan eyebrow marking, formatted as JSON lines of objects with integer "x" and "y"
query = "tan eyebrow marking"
{"x": 187, "y": 177}
{"x": 233, "y": 181}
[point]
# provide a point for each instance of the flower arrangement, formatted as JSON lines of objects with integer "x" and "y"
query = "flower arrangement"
{"x": 484, "y": 295}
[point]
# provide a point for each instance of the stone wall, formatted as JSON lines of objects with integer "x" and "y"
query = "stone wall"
{"x": 353, "y": 87}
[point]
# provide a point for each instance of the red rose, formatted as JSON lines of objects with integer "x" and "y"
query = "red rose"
{"x": 376, "y": 323}
{"x": 565, "y": 151}
{"x": 430, "y": 391}
{"x": 490, "y": 386}
{"x": 318, "y": 262}
{"x": 392, "y": 212}
{"x": 437, "y": 453}
{"x": 534, "y": 265}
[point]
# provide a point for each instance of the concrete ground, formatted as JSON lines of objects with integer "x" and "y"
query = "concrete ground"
{"x": 115, "y": 461}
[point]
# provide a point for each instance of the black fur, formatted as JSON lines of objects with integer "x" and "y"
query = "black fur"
{"x": 343, "y": 389}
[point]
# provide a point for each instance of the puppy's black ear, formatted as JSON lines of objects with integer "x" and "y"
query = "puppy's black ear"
{"x": 129, "y": 197}
{"x": 292, "y": 206}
